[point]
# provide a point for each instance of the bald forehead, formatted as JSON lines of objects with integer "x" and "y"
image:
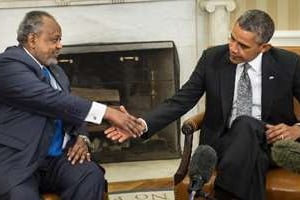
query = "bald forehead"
{"x": 50, "y": 21}
{"x": 50, "y": 25}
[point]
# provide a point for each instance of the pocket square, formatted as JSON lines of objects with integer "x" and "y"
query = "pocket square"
{"x": 271, "y": 77}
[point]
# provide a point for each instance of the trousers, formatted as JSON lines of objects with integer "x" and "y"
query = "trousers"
{"x": 243, "y": 159}
{"x": 70, "y": 182}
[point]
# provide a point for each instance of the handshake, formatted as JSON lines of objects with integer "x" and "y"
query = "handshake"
{"x": 124, "y": 125}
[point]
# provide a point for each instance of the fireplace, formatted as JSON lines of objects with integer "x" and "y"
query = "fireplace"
{"x": 137, "y": 75}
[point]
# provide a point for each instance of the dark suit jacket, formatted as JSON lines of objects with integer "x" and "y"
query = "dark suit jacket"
{"x": 28, "y": 107}
{"x": 215, "y": 76}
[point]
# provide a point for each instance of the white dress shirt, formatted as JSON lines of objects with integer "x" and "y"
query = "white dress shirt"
{"x": 254, "y": 73}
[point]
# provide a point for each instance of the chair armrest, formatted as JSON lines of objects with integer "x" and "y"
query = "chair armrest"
{"x": 189, "y": 126}
{"x": 192, "y": 124}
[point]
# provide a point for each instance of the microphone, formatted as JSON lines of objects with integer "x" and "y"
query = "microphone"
{"x": 286, "y": 154}
{"x": 202, "y": 165}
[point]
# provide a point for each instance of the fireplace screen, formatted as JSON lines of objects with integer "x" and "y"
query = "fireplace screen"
{"x": 136, "y": 75}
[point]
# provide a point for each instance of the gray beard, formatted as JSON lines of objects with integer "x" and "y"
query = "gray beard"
{"x": 51, "y": 61}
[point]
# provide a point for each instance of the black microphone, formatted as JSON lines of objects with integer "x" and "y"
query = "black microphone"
{"x": 202, "y": 165}
{"x": 286, "y": 154}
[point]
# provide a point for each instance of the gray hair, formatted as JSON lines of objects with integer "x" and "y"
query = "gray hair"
{"x": 31, "y": 23}
{"x": 258, "y": 22}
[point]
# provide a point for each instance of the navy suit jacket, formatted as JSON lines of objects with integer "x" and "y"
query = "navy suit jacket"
{"x": 28, "y": 108}
{"x": 214, "y": 75}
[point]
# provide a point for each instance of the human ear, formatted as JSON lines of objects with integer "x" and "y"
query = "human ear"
{"x": 265, "y": 47}
{"x": 31, "y": 40}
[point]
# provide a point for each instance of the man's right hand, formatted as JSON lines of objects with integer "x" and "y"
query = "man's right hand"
{"x": 124, "y": 121}
{"x": 118, "y": 134}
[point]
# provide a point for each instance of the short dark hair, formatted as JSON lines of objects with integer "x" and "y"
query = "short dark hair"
{"x": 31, "y": 23}
{"x": 259, "y": 22}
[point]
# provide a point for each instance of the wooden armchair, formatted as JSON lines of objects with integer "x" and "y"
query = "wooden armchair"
{"x": 281, "y": 184}
{"x": 52, "y": 196}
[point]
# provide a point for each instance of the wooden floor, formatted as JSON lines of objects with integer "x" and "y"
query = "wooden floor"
{"x": 146, "y": 185}
{"x": 140, "y": 185}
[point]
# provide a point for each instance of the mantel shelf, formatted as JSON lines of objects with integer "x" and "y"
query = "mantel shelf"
{"x": 58, "y": 3}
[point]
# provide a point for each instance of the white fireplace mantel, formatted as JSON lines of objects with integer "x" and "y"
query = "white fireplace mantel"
{"x": 53, "y": 3}
{"x": 219, "y": 19}
{"x": 286, "y": 38}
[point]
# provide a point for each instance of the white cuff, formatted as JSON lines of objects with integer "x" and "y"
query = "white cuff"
{"x": 96, "y": 113}
{"x": 145, "y": 124}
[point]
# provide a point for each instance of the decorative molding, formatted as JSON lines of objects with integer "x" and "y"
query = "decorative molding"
{"x": 286, "y": 38}
{"x": 210, "y": 5}
{"x": 218, "y": 19}
{"x": 55, "y": 3}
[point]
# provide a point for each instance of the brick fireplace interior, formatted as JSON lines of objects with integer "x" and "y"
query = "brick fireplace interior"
{"x": 137, "y": 75}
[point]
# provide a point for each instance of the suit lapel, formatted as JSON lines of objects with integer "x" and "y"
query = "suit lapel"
{"x": 30, "y": 62}
{"x": 227, "y": 79}
{"x": 58, "y": 77}
{"x": 270, "y": 83}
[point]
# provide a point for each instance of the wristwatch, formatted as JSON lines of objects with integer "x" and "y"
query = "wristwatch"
{"x": 86, "y": 139}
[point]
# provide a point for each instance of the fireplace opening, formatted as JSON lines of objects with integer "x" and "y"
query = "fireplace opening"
{"x": 137, "y": 75}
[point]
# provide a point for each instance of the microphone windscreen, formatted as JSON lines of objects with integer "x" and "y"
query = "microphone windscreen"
{"x": 203, "y": 162}
{"x": 286, "y": 154}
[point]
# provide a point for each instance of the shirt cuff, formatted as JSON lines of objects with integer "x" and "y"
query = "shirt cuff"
{"x": 96, "y": 113}
{"x": 145, "y": 124}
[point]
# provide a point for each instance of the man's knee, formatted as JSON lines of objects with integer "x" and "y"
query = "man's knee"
{"x": 247, "y": 120}
{"x": 93, "y": 186}
{"x": 89, "y": 173}
{"x": 96, "y": 174}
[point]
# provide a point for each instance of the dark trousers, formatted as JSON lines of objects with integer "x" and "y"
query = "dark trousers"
{"x": 56, "y": 174}
{"x": 243, "y": 159}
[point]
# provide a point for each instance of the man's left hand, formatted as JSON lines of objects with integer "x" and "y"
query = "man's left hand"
{"x": 282, "y": 132}
{"x": 79, "y": 152}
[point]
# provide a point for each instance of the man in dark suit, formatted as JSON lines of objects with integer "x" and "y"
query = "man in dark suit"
{"x": 37, "y": 112}
{"x": 247, "y": 68}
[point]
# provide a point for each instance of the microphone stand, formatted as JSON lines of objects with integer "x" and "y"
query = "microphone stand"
{"x": 200, "y": 193}
{"x": 195, "y": 189}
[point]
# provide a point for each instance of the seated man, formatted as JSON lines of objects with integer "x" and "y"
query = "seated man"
{"x": 249, "y": 88}
{"x": 41, "y": 123}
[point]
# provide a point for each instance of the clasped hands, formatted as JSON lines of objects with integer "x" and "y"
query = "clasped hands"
{"x": 124, "y": 126}
{"x": 134, "y": 129}
{"x": 282, "y": 132}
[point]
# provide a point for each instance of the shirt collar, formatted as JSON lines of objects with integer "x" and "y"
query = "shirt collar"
{"x": 255, "y": 63}
{"x": 41, "y": 66}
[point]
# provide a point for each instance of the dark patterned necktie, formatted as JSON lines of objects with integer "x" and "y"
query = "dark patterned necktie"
{"x": 244, "y": 93}
{"x": 55, "y": 148}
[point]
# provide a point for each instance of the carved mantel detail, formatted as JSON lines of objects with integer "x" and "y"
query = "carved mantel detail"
{"x": 53, "y": 3}
{"x": 210, "y": 5}
{"x": 219, "y": 19}
{"x": 63, "y": 2}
